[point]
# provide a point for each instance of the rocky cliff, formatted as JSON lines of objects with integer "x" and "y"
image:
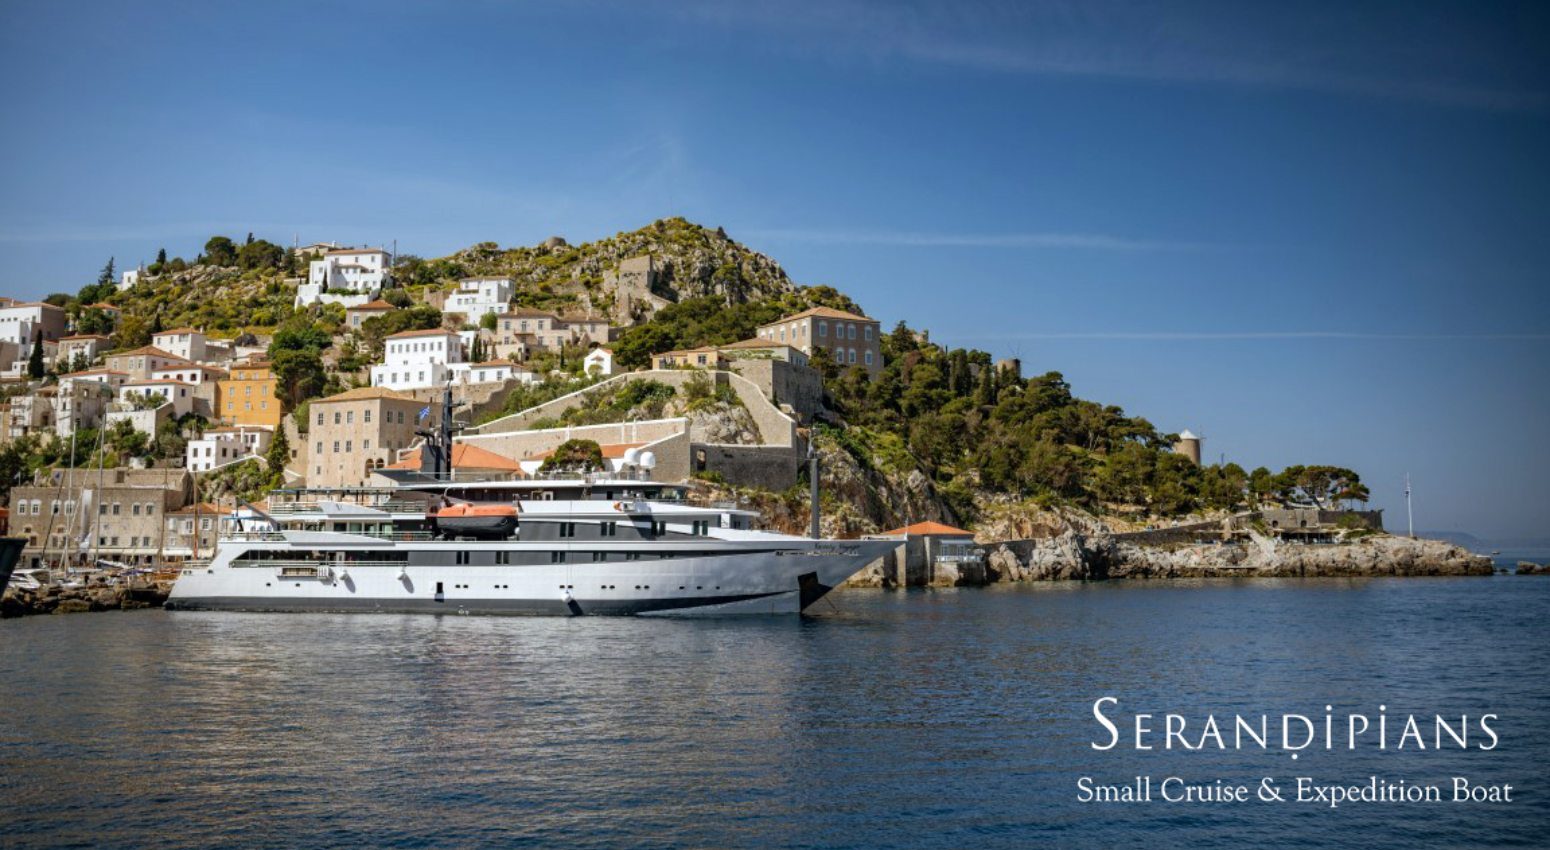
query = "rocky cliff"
{"x": 1074, "y": 556}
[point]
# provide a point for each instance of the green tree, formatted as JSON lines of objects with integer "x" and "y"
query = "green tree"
{"x": 260, "y": 254}
{"x": 278, "y": 456}
{"x": 35, "y": 369}
{"x": 107, "y": 277}
{"x": 220, "y": 251}
{"x": 574, "y": 456}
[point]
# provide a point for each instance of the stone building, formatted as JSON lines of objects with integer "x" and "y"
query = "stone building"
{"x": 139, "y": 363}
{"x": 851, "y": 340}
{"x": 358, "y": 431}
{"x": 633, "y": 285}
{"x": 246, "y": 396}
{"x": 191, "y": 532}
{"x": 115, "y": 514}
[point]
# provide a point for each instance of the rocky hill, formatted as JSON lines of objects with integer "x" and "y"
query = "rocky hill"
{"x": 687, "y": 261}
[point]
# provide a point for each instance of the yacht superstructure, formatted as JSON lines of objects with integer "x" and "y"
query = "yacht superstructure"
{"x": 593, "y": 544}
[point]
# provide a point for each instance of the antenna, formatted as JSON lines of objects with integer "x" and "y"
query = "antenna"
{"x": 1409, "y": 514}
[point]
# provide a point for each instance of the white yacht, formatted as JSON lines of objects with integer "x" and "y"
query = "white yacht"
{"x": 597, "y": 544}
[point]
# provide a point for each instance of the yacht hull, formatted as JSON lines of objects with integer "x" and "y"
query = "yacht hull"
{"x": 784, "y": 581}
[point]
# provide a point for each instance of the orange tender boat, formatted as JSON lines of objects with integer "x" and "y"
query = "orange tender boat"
{"x": 485, "y": 522}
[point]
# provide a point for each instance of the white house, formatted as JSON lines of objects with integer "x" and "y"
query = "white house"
{"x": 204, "y": 379}
{"x": 20, "y": 322}
{"x": 186, "y": 343}
{"x": 220, "y": 446}
{"x": 87, "y": 346}
{"x": 348, "y": 276}
{"x": 491, "y": 372}
{"x": 176, "y": 393}
{"x": 81, "y": 404}
{"x": 128, "y": 279}
{"x": 19, "y": 357}
{"x": 414, "y": 359}
{"x": 477, "y": 296}
{"x": 102, "y": 376}
{"x": 599, "y": 361}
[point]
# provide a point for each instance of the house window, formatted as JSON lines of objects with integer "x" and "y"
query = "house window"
{"x": 823, "y": 330}
{"x": 867, "y": 331}
{"x": 850, "y": 331}
{"x": 869, "y": 358}
{"x": 366, "y": 416}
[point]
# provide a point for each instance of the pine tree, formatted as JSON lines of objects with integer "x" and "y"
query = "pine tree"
{"x": 161, "y": 257}
{"x": 107, "y": 275}
{"x": 278, "y": 455}
{"x": 35, "y": 361}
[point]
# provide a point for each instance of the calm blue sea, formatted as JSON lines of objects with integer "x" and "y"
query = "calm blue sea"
{"x": 952, "y": 718}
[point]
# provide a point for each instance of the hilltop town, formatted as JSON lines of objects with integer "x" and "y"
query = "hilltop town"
{"x": 140, "y": 409}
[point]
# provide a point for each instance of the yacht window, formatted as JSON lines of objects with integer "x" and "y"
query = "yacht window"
{"x": 610, "y": 529}
{"x": 567, "y": 529}
{"x": 556, "y": 557}
{"x": 658, "y": 528}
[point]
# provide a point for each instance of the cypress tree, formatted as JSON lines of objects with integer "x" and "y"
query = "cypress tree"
{"x": 35, "y": 361}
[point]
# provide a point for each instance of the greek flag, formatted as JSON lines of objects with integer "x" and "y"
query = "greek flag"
{"x": 424, "y": 412}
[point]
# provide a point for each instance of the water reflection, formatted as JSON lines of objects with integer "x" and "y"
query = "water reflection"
{"x": 946, "y": 718}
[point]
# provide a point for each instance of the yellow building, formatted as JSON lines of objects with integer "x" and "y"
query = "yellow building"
{"x": 247, "y": 396}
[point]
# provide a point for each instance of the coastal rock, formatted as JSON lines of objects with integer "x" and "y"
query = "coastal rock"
{"x": 1072, "y": 556}
{"x": 1529, "y": 568}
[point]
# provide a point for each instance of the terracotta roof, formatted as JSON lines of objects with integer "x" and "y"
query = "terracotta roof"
{"x": 488, "y": 363}
{"x": 530, "y": 313}
{"x": 360, "y": 393}
{"x": 34, "y": 304}
{"x": 464, "y": 456}
{"x": 356, "y": 251}
{"x": 149, "y": 350}
{"x": 201, "y": 508}
{"x": 921, "y": 529}
{"x": 238, "y": 429}
{"x": 822, "y": 312}
{"x": 432, "y": 332}
{"x": 95, "y": 372}
{"x": 203, "y": 367}
{"x": 611, "y": 451}
{"x": 157, "y": 382}
{"x": 103, "y": 305}
{"x": 756, "y": 343}
{"x": 178, "y": 331}
{"x": 378, "y": 304}
{"x": 82, "y": 336}
{"x": 709, "y": 349}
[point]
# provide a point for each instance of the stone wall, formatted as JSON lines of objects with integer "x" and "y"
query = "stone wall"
{"x": 523, "y": 445}
{"x": 783, "y": 382}
{"x": 775, "y": 427}
{"x": 771, "y": 467}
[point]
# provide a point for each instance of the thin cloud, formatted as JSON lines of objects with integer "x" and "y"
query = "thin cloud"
{"x": 1091, "y": 241}
{"x": 1333, "y": 51}
{"x": 1192, "y": 336}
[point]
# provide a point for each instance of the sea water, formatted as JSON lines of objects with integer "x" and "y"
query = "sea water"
{"x": 943, "y": 718}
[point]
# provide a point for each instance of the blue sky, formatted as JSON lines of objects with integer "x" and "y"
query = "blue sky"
{"x": 1311, "y": 233}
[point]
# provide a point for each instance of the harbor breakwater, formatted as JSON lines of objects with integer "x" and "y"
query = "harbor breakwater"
{"x": 1076, "y": 555}
{"x": 1092, "y": 557}
{"x": 92, "y": 595}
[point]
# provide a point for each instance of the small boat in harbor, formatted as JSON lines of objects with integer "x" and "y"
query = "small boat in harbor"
{"x": 481, "y": 522}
